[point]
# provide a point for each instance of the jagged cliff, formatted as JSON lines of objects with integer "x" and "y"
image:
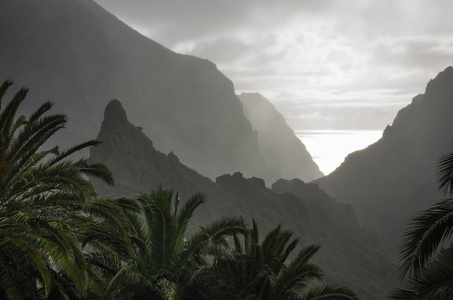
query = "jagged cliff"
{"x": 349, "y": 255}
{"x": 391, "y": 179}
{"x": 280, "y": 147}
{"x": 80, "y": 56}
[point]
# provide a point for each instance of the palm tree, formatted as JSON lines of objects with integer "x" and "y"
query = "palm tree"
{"x": 166, "y": 257}
{"x": 46, "y": 202}
{"x": 258, "y": 270}
{"x": 430, "y": 276}
{"x": 433, "y": 282}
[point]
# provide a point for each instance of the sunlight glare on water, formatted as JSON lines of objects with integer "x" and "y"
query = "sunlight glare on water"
{"x": 330, "y": 147}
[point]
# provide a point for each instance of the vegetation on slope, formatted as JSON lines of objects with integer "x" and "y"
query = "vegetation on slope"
{"x": 59, "y": 240}
{"x": 47, "y": 209}
{"x": 300, "y": 207}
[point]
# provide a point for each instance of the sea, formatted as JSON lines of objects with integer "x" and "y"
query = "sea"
{"x": 329, "y": 148}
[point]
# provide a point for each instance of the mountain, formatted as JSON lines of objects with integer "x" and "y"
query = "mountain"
{"x": 392, "y": 179}
{"x": 281, "y": 148}
{"x": 80, "y": 56}
{"x": 349, "y": 255}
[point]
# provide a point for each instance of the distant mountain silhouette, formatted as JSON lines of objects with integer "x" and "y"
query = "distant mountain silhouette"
{"x": 395, "y": 177}
{"x": 80, "y": 56}
{"x": 349, "y": 254}
{"x": 281, "y": 148}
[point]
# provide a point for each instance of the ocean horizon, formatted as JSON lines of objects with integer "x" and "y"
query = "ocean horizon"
{"x": 329, "y": 148}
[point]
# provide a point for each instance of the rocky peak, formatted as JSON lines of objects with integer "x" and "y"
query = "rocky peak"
{"x": 185, "y": 104}
{"x": 238, "y": 180}
{"x": 138, "y": 167}
{"x": 114, "y": 114}
{"x": 441, "y": 85}
{"x": 299, "y": 187}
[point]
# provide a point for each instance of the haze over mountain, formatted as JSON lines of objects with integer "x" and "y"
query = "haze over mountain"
{"x": 281, "y": 148}
{"x": 323, "y": 64}
{"x": 395, "y": 177}
{"x": 80, "y": 56}
{"x": 349, "y": 255}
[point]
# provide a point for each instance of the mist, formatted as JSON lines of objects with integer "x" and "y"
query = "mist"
{"x": 221, "y": 99}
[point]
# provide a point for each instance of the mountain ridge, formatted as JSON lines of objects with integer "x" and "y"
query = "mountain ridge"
{"x": 184, "y": 103}
{"x": 393, "y": 178}
{"x": 291, "y": 158}
{"x": 313, "y": 215}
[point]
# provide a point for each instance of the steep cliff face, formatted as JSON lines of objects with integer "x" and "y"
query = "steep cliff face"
{"x": 348, "y": 255}
{"x": 391, "y": 179}
{"x": 281, "y": 148}
{"x": 80, "y": 56}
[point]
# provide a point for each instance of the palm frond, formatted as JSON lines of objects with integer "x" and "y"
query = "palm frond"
{"x": 26, "y": 248}
{"x": 306, "y": 254}
{"x": 445, "y": 173}
{"x": 295, "y": 278}
{"x": 21, "y": 121}
{"x": 254, "y": 232}
{"x": 8, "y": 114}
{"x": 67, "y": 254}
{"x": 435, "y": 281}
{"x": 3, "y": 88}
{"x": 44, "y": 210}
{"x": 224, "y": 226}
{"x": 32, "y": 136}
{"x": 326, "y": 292}
{"x": 425, "y": 233}
{"x": 185, "y": 213}
{"x": 129, "y": 275}
{"x": 45, "y": 107}
{"x": 12, "y": 284}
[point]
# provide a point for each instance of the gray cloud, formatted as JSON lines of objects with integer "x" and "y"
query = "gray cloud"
{"x": 322, "y": 63}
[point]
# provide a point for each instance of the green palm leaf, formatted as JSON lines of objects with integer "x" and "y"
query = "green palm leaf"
{"x": 445, "y": 173}
{"x": 45, "y": 202}
{"x": 3, "y": 88}
{"x": 326, "y": 292}
{"x": 257, "y": 270}
{"x": 434, "y": 282}
{"x": 426, "y": 231}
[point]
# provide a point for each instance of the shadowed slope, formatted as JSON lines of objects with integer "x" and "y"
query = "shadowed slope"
{"x": 391, "y": 179}
{"x": 281, "y": 148}
{"x": 348, "y": 254}
{"x": 80, "y": 56}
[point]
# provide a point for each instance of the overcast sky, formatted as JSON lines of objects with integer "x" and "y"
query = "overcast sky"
{"x": 324, "y": 64}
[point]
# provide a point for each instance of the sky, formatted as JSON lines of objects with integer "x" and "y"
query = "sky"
{"x": 345, "y": 66}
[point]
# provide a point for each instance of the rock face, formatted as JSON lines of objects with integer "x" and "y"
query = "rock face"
{"x": 280, "y": 147}
{"x": 391, "y": 179}
{"x": 80, "y": 56}
{"x": 348, "y": 255}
